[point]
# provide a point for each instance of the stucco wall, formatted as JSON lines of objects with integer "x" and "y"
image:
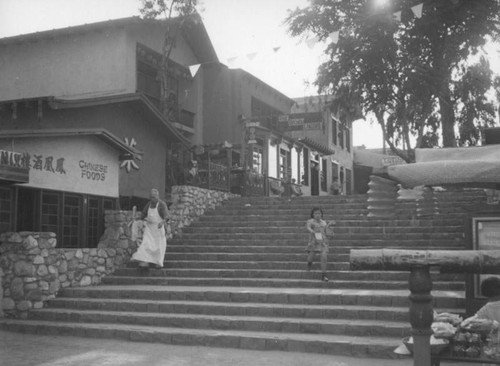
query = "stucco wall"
{"x": 64, "y": 66}
{"x": 72, "y": 164}
{"x": 124, "y": 120}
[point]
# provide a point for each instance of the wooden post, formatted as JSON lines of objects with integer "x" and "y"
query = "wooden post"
{"x": 421, "y": 314}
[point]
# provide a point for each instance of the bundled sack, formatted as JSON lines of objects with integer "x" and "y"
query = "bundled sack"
{"x": 453, "y": 319}
{"x": 478, "y": 325}
{"x": 443, "y": 330}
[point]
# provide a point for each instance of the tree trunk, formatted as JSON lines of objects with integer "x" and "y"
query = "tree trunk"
{"x": 447, "y": 118}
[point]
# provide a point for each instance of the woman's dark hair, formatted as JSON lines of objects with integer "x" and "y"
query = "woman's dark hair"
{"x": 314, "y": 210}
{"x": 490, "y": 287}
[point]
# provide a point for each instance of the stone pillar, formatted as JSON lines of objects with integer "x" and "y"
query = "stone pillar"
{"x": 421, "y": 314}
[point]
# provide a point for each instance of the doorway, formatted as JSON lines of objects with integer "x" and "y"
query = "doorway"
{"x": 314, "y": 178}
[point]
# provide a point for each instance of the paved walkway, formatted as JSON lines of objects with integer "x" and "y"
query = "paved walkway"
{"x": 17, "y": 349}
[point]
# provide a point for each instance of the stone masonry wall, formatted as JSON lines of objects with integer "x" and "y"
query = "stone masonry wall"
{"x": 33, "y": 270}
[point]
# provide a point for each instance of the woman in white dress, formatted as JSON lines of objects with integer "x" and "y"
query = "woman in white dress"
{"x": 154, "y": 242}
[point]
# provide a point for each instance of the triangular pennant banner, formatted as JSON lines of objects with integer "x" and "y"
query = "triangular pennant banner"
{"x": 417, "y": 10}
{"x": 334, "y": 36}
{"x": 311, "y": 42}
{"x": 276, "y": 49}
{"x": 397, "y": 15}
{"x": 194, "y": 69}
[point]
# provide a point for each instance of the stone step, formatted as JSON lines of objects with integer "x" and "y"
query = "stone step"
{"x": 349, "y": 327}
{"x": 271, "y": 295}
{"x": 241, "y": 309}
{"x": 220, "y": 216}
{"x": 304, "y": 235}
{"x": 365, "y": 222}
{"x": 310, "y": 280}
{"x": 285, "y": 227}
{"x": 296, "y": 274}
{"x": 252, "y": 211}
{"x": 378, "y": 347}
{"x": 175, "y": 248}
{"x": 248, "y": 273}
{"x": 297, "y": 259}
{"x": 291, "y": 205}
{"x": 297, "y": 200}
{"x": 282, "y": 265}
{"x": 353, "y": 243}
{"x": 299, "y": 256}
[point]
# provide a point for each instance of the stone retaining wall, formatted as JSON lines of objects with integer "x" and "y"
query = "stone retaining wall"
{"x": 33, "y": 270}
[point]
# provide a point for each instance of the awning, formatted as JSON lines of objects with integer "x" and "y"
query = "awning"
{"x": 101, "y": 133}
{"x": 478, "y": 165}
{"x": 322, "y": 149}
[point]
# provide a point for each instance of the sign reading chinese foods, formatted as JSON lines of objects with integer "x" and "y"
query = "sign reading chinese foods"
{"x": 83, "y": 164}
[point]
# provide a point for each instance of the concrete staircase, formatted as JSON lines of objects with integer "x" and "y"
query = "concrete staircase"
{"x": 237, "y": 278}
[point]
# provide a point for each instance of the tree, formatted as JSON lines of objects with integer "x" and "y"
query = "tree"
{"x": 408, "y": 73}
{"x": 176, "y": 14}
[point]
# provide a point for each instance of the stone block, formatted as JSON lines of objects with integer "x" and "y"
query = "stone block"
{"x": 85, "y": 281}
{"x": 17, "y": 288}
{"x": 63, "y": 266}
{"x": 23, "y": 268}
{"x": 38, "y": 260}
{"x": 30, "y": 286}
{"x": 30, "y": 242}
{"x": 24, "y": 305}
{"x": 42, "y": 270}
{"x": 34, "y": 295}
{"x": 8, "y": 303}
{"x": 52, "y": 269}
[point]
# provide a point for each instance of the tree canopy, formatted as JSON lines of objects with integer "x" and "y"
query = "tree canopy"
{"x": 419, "y": 76}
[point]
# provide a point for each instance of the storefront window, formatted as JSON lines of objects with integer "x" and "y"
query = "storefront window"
{"x": 76, "y": 219}
{"x": 72, "y": 218}
{"x": 305, "y": 167}
{"x": 273, "y": 161}
{"x": 5, "y": 209}
{"x": 50, "y": 212}
{"x": 323, "y": 176}
{"x": 295, "y": 165}
{"x": 257, "y": 160}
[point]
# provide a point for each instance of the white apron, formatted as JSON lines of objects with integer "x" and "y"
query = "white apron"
{"x": 154, "y": 242}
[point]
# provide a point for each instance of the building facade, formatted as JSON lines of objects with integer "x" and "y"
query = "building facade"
{"x": 313, "y": 120}
{"x": 78, "y": 106}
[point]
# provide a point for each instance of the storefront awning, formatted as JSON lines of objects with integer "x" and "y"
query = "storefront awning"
{"x": 322, "y": 149}
{"x": 101, "y": 133}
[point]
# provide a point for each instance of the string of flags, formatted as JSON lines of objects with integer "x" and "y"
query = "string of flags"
{"x": 310, "y": 42}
